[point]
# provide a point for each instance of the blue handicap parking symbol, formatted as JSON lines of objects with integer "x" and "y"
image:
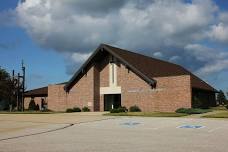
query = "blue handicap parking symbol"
{"x": 191, "y": 126}
{"x": 130, "y": 124}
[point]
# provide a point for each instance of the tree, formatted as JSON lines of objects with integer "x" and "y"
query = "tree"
{"x": 221, "y": 98}
{"x": 7, "y": 97}
{"x": 32, "y": 105}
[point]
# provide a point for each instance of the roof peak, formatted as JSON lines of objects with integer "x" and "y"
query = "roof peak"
{"x": 136, "y": 53}
{"x": 144, "y": 66}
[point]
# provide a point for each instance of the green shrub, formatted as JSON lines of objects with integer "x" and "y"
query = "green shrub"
{"x": 76, "y": 109}
{"x": 192, "y": 110}
{"x": 114, "y": 111}
{"x": 46, "y": 110}
{"x": 118, "y": 110}
{"x": 69, "y": 110}
{"x": 181, "y": 110}
{"x": 135, "y": 109}
{"x": 37, "y": 108}
{"x": 85, "y": 109}
{"x": 32, "y": 105}
{"x": 122, "y": 109}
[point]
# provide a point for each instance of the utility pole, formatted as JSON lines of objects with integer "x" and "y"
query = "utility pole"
{"x": 19, "y": 87}
{"x": 14, "y": 91}
{"x": 23, "y": 84}
{"x": 18, "y": 91}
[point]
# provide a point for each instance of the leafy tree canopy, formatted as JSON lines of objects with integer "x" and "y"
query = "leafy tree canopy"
{"x": 221, "y": 98}
{"x": 6, "y": 89}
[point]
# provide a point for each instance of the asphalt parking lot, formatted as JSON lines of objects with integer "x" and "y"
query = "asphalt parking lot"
{"x": 93, "y": 132}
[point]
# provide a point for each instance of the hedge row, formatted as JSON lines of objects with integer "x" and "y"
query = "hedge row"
{"x": 77, "y": 109}
{"x": 124, "y": 109}
{"x": 192, "y": 110}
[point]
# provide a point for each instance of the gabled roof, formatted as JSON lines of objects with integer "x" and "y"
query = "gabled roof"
{"x": 146, "y": 67}
{"x": 40, "y": 92}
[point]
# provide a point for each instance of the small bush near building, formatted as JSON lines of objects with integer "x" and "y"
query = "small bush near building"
{"x": 123, "y": 109}
{"x": 118, "y": 110}
{"x": 114, "y": 111}
{"x": 37, "y": 107}
{"x": 69, "y": 110}
{"x": 135, "y": 109}
{"x": 47, "y": 110}
{"x": 181, "y": 110}
{"x": 75, "y": 109}
{"x": 85, "y": 109}
{"x": 32, "y": 105}
{"x": 192, "y": 110}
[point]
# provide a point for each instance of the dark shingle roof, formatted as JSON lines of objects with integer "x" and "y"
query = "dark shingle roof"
{"x": 40, "y": 92}
{"x": 152, "y": 67}
{"x": 144, "y": 66}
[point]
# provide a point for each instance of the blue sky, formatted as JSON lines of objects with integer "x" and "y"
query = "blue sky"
{"x": 43, "y": 66}
{"x": 55, "y": 37}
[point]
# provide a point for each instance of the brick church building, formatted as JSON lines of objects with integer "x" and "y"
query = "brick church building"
{"x": 114, "y": 77}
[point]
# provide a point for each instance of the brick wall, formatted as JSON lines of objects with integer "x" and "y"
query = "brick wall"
{"x": 26, "y": 102}
{"x": 82, "y": 93}
{"x": 57, "y": 98}
{"x": 171, "y": 92}
{"x": 104, "y": 72}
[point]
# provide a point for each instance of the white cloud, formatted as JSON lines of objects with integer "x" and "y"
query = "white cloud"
{"x": 74, "y": 60}
{"x": 214, "y": 60}
{"x": 219, "y": 32}
{"x": 171, "y": 29}
{"x": 174, "y": 58}
{"x": 78, "y": 57}
{"x": 213, "y": 67}
{"x": 65, "y": 26}
{"x": 223, "y": 17}
{"x": 158, "y": 54}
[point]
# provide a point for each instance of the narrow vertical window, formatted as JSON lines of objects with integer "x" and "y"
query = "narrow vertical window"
{"x": 113, "y": 73}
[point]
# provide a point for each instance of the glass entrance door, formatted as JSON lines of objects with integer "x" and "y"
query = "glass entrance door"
{"x": 112, "y": 101}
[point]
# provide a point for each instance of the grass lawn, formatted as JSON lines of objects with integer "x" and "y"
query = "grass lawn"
{"x": 148, "y": 114}
{"x": 218, "y": 108}
{"x": 222, "y": 114}
{"x": 26, "y": 112}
